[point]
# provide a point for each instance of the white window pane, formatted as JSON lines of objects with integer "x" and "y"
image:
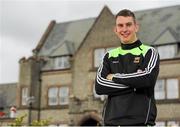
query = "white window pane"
{"x": 64, "y": 96}
{"x": 98, "y": 56}
{"x": 160, "y": 124}
{"x": 24, "y": 96}
{"x": 66, "y": 62}
{"x": 173, "y": 124}
{"x": 167, "y": 51}
{"x": 53, "y": 92}
{"x": 52, "y": 96}
{"x": 53, "y": 101}
{"x": 61, "y": 62}
{"x": 172, "y": 89}
{"x": 160, "y": 89}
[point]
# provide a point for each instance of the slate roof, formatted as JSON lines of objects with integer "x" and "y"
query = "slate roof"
{"x": 65, "y": 38}
{"x": 159, "y": 26}
{"x": 7, "y": 95}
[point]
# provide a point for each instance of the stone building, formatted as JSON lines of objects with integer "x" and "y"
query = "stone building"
{"x": 7, "y": 100}
{"x": 57, "y": 82}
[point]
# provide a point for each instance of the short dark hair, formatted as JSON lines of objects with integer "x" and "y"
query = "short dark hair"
{"x": 126, "y": 13}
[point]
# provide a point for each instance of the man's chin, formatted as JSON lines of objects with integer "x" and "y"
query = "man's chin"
{"x": 125, "y": 41}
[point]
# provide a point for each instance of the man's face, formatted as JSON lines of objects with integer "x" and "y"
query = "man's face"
{"x": 126, "y": 29}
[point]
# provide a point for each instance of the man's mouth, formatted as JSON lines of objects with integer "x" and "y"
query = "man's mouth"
{"x": 125, "y": 35}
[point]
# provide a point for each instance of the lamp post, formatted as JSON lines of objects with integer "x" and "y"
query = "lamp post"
{"x": 30, "y": 101}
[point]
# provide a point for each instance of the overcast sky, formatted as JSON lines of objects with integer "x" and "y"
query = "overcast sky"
{"x": 23, "y": 23}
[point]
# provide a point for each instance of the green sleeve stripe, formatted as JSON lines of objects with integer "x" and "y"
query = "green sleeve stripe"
{"x": 134, "y": 51}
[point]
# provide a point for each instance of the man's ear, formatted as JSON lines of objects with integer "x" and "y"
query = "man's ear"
{"x": 137, "y": 27}
{"x": 115, "y": 30}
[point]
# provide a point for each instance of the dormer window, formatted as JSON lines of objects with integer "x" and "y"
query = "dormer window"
{"x": 167, "y": 51}
{"x": 61, "y": 62}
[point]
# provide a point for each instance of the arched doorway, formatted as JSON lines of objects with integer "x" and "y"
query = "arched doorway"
{"x": 90, "y": 119}
{"x": 90, "y": 122}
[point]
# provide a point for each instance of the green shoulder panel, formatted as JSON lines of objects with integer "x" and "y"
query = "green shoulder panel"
{"x": 135, "y": 51}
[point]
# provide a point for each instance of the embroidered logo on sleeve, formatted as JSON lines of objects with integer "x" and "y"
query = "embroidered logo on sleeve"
{"x": 115, "y": 61}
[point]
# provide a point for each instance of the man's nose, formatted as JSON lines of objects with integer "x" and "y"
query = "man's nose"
{"x": 124, "y": 28}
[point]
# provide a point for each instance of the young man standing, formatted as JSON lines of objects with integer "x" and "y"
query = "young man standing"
{"x": 128, "y": 75}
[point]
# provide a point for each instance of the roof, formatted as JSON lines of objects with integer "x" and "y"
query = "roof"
{"x": 159, "y": 26}
{"x": 66, "y": 37}
{"x": 7, "y": 95}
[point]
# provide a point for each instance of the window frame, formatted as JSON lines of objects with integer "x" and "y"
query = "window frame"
{"x": 58, "y": 97}
{"x": 168, "y": 120}
{"x": 173, "y": 43}
{"x": 93, "y": 54}
{"x": 55, "y": 58}
{"x": 167, "y": 100}
{"x": 21, "y": 94}
{"x": 48, "y": 97}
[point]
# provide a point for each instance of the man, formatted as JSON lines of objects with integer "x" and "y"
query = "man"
{"x": 128, "y": 75}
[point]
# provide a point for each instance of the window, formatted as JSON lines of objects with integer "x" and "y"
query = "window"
{"x": 52, "y": 95}
{"x": 24, "y": 96}
{"x": 160, "y": 89}
{"x": 99, "y": 54}
{"x": 167, "y": 51}
{"x": 64, "y": 96}
{"x": 160, "y": 124}
{"x": 167, "y": 89}
{"x": 173, "y": 124}
{"x": 167, "y": 123}
{"x": 172, "y": 88}
{"x": 58, "y": 96}
{"x": 61, "y": 62}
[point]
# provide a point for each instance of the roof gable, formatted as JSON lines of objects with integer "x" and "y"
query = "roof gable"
{"x": 65, "y": 48}
{"x": 62, "y": 33}
{"x": 102, "y": 19}
{"x": 165, "y": 37}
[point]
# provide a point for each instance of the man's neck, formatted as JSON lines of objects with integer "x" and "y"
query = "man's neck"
{"x": 137, "y": 43}
{"x": 130, "y": 42}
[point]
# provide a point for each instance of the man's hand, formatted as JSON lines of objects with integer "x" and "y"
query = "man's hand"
{"x": 109, "y": 76}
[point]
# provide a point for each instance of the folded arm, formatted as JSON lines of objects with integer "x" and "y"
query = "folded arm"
{"x": 144, "y": 78}
{"x": 104, "y": 86}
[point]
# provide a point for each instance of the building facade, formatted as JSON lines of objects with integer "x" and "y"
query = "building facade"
{"x": 57, "y": 82}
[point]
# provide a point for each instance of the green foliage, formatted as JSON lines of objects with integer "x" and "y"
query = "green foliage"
{"x": 19, "y": 122}
{"x": 40, "y": 122}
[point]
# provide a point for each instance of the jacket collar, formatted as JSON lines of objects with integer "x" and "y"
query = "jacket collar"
{"x": 131, "y": 46}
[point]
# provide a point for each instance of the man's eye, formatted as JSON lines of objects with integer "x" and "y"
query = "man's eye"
{"x": 128, "y": 24}
{"x": 120, "y": 25}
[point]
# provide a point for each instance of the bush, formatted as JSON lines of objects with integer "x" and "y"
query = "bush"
{"x": 19, "y": 122}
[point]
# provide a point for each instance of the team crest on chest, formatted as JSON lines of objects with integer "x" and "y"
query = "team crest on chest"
{"x": 136, "y": 59}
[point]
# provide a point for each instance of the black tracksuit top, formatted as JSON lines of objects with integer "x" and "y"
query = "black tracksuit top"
{"x": 131, "y": 92}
